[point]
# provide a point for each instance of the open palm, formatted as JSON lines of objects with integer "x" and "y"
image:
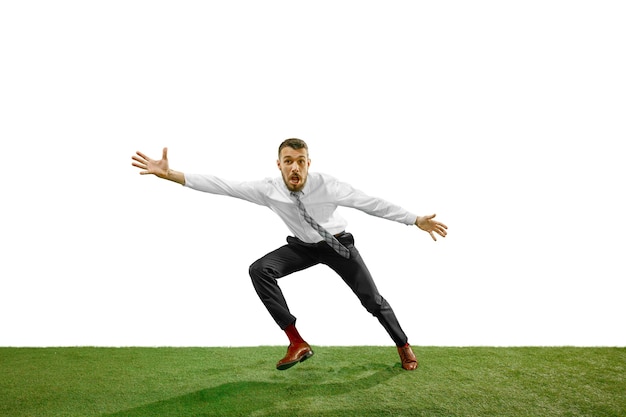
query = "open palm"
{"x": 152, "y": 166}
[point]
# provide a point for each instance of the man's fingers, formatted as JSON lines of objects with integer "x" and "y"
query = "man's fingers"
{"x": 143, "y": 156}
{"x": 139, "y": 160}
{"x": 439, "y": 229}
{"x": 165, "y": 154}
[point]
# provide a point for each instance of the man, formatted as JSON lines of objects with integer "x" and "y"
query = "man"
{"x": 306, "y": 202}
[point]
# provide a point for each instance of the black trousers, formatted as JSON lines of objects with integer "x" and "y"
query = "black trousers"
{"x": 296, "y": 256}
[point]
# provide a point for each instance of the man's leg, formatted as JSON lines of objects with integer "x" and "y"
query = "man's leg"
{"x": 356, "y": 275}
{"x": 267, "y": 270}
{"x": 264, "y": 273}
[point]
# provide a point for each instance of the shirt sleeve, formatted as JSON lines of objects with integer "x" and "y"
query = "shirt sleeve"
{"x": 252, "y": 191}
{"x": 348, "y": 196}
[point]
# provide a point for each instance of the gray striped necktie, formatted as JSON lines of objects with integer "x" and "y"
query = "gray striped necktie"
{"x": 329, "y": 238}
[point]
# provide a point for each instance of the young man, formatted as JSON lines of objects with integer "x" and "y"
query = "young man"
{"x": 306, "y": 202}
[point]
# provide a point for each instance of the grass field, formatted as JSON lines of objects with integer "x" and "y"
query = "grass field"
{"x": 337, "y": 381}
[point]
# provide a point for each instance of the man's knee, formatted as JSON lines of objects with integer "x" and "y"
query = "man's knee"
{"x": 256, "y": 269}
{"x": 260, "y": 271}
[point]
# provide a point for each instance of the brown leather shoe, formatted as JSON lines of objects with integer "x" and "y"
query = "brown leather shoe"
{"x": 409, "y": 361}
{"x": 298, "y": 352}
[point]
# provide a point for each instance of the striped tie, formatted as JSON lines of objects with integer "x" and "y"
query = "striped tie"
{"x": 329, "y": 238}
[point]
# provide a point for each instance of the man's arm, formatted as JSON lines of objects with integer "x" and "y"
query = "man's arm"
{"x": 159, "y": 168}
{"x": 253, "y": 191}
{"x": 350, "y": 197}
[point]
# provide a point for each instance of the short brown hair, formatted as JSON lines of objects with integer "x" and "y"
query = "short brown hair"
{"x": 294, "y": 143}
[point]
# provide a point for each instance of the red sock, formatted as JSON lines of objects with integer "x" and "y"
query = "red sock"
{"x": 293, "y": 335}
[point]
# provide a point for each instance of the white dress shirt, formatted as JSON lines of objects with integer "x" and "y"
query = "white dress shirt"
{"x": 321, "y": 196}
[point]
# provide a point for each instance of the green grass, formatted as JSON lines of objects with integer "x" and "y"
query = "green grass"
{"x": 337, "y": 381}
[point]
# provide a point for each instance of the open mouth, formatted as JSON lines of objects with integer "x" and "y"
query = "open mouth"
{"x": 294, "y": 179}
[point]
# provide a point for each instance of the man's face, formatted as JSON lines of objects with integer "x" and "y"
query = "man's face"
{"x": 294, "y": 165}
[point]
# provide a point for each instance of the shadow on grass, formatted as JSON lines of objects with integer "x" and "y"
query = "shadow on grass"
{"x": 244, "y": 398}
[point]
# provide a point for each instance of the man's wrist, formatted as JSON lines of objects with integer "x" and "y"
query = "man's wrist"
{"x": 175, "y": 176}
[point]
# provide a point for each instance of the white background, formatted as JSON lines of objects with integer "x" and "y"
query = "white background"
{"x": 507, "y": 119}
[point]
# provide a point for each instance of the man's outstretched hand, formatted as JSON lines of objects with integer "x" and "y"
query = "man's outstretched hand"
{"x": 159, "y": 168}
{"x": 427, "y": 224}
{"x": 151, "y": 166}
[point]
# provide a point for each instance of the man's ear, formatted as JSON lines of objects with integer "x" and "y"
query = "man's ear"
{"x": 278, "y": 163}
